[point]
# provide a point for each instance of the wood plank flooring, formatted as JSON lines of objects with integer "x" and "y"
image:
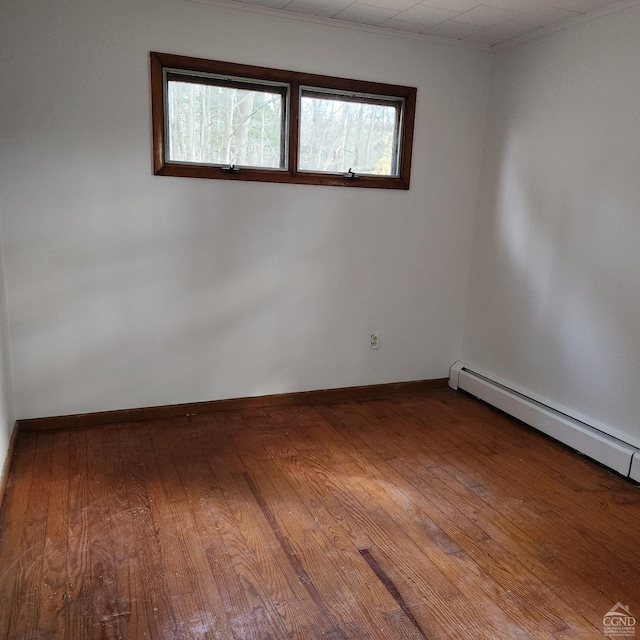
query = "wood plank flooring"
{"x": 417, "y": 516}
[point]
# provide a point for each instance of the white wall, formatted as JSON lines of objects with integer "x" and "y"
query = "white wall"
{"x": 554, "y": 303}
{"x": 7, "y": 408}
{"x": 129, "y": 290}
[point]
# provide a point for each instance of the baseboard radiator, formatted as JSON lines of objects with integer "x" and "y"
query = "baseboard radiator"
{"x": 584, "y": 438}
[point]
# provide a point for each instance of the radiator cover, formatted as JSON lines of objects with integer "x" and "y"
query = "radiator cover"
{"x": 612, "y": 452}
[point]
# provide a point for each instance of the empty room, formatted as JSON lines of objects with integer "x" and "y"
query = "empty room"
{"x": 320, "y": 319}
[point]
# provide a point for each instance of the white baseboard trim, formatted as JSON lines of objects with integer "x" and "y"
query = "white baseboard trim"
{"x": 584, "y": 438}
{"x": 634, "y": 473}
{"x": 4, "y": 473}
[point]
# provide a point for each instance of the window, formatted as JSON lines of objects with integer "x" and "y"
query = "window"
{"x": 218, "y": 121}
{"x": 237, "y": 122}
{"x": 341, "y": 132}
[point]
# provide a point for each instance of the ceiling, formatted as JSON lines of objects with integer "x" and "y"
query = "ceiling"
{"x": 483, "y": 22}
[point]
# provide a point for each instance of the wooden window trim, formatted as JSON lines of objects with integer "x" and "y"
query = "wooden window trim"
{"x": 163, "y": 167}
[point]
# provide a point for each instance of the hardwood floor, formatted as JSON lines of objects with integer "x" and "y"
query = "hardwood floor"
{"x": 423, "y": 515}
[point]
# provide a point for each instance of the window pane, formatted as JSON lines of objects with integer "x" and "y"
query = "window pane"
{"x": 212, "y": 124}
{"x": 341, "y": 134}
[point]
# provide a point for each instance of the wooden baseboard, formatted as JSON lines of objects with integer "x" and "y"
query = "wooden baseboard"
{"x": 171, "y": 411}
{"x": 4, "y": 478}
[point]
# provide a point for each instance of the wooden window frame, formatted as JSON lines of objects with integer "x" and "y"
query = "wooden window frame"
{"x": 295, "y": 80}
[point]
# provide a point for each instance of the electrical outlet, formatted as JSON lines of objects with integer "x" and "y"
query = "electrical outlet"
{"x": 374, "y": 341}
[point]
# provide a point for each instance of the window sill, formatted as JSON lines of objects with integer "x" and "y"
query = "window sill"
{"x": 282, "y": 176}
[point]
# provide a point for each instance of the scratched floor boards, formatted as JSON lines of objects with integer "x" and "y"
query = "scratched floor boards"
{"x": 412, "y": 516}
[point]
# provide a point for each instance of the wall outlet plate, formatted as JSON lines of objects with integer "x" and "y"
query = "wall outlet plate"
{"x": 374, "y": 341}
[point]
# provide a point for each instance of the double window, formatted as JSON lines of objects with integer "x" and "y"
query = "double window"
{"x": 228, "y": 121}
